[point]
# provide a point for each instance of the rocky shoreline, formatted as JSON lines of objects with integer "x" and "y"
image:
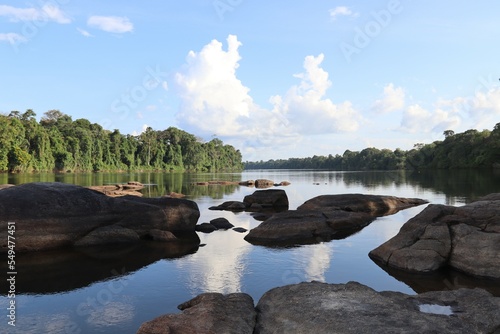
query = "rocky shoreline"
{"x": 465, "y": 239}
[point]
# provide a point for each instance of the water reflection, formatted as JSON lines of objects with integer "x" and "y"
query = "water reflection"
{"x": 444, "y": 279}
{"x": 318, "y": 258}
{"x": 219, "y": 265}
{"x": 68, "y": 269}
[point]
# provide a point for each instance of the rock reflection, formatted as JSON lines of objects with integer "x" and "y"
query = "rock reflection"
{"x": 68, "y": 269}
{"x": 445, "y": 279}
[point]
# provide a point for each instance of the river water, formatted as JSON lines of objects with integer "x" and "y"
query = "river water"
{"x": 116, "y": 290}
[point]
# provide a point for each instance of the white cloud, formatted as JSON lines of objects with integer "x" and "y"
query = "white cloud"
{"x": 47, "y": 12}
{"x": 393, "y": 100}
{"x": 306, "y": 109}
{"x": 114, "y": 24}
{"x": 417, "y": 119}
{"x": 486, "y": 105}
{"x": 84, "y": 32}
{"x": 342, "y": 11}
{"x": 12, "y": 38}
{"x": 215, "y": 101}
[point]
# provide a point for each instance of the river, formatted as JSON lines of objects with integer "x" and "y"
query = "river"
{"x": 115, "y": 291}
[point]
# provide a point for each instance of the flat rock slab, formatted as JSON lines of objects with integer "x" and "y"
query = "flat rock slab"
{"x": 465, "y": 238}
{"x": 53, "y": 215}
{"x": 355, "y": 308}
{"x": 208, "y": 313}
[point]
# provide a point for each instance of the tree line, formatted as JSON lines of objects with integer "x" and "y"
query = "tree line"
{"x": 470, "y": 149}
{"x": 57, "y": 143}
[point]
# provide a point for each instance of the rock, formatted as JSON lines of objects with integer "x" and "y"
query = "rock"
{"x": 208, "y": 313}
{"x": 373, "y": 204}
{"x": 205, "y": 228}
{"x": 465, "y": 238}
{"x": 263, "y": 183}
{"x": 334, "y": 308}
{"x": 230, "y": 206}
{"x": 284, "y": 183}
{"x": 267, "y": 198}
{"x": 324, "y": 218}
{"x": 240, "y": 229}
{"x": 52, "y": 215}
{"x": 5, "y": 186}
{"x": 248, "y": 183}
{"x": 117, "y": 190}
{"x": 354, "y": 308}
{"x": 159, "y": 235}
{"x": 221, "y": 223}
{"x": 307, "y": 226}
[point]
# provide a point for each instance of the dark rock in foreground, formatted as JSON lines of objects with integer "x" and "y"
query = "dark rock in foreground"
{"x": 212, "y": 313}
{"x": 335, "y": 308}
{"x": 465, "y": 238}
{"x": 326, "y": 217}
{"x": 52, "y": 215}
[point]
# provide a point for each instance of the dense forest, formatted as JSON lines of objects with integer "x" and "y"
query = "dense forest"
{"x": 57, "y": 143}
{"x": 470, "y": 149}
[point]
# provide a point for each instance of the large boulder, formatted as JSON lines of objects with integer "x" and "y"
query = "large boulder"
{"x": 208, "y": 313}
{"x": 326, "y": 217}
{"x": 52, "y": 215}
{"x": 275, "y": 198}
{"x": 355, "y": 308}
{"x": 307, "y": 226}
{"x": 334, "y": 308}
{"x": 465, "y": 238}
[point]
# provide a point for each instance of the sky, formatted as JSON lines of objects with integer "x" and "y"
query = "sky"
{"x": 275, "y": 79}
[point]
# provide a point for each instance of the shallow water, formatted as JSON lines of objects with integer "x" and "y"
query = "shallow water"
{"x": 116, "y": 290}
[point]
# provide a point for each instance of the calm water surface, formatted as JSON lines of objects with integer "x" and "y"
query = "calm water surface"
{"x": 116, "y": 290}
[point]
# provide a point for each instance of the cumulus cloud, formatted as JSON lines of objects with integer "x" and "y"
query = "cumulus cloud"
{"x": 393, "y": 100}
{"x": 12, "y": 38}
{"x": 215, "y": 101}
{"x": 485, "y": 106}
{"x": 418, "y": 119}
{"x": 114, "y": 24}
{"x": 342, "y": 11}
{"x": 47, "y": 12}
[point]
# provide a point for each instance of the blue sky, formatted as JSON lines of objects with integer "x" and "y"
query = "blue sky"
{"x": 276, "y": 79}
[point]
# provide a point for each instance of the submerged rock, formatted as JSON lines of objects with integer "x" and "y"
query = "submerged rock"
{"x": 465, "y": 238}
{"x": 52, "y": 215}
